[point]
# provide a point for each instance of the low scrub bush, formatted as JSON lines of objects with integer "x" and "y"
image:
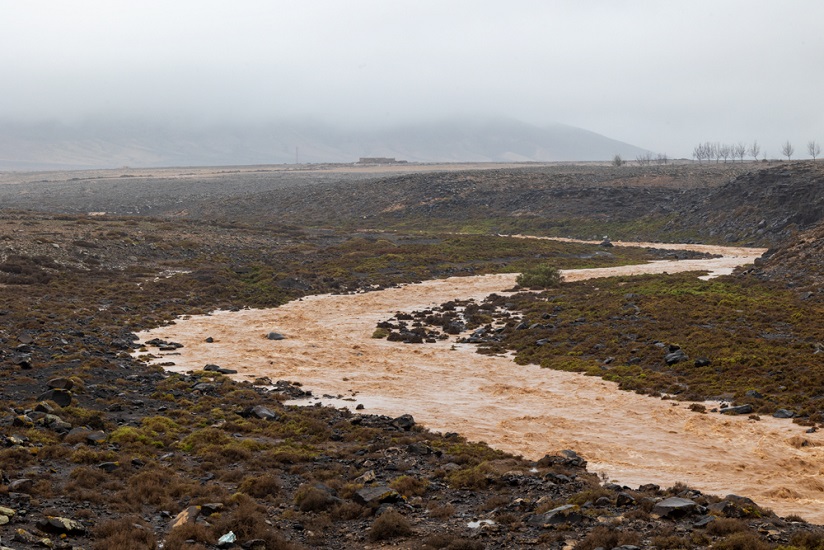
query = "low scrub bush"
{"x": 260, "y": 486}
{"x": 389, "y": 525}
{"x": 126, "y": 533}
{"x": 604, "y": 537}
{"x": 409, "y": 486}
{"x": 313, "y": 499}
{"x": 541, "y": 276}
{"x": 742, "y": 541}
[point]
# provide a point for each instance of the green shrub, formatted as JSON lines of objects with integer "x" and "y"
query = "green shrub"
{"x": 380, "y": 333}
{"x": 540, "y": 276}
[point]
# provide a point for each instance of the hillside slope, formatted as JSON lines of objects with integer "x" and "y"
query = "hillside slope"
{"x": 798, "y": 263}
{"x": 767, "y": 204}
{"x": 732, "y": 203}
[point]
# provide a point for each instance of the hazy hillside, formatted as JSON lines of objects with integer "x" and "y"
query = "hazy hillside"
{"x": 106, "y": 143}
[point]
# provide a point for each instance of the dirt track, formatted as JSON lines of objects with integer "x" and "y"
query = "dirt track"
{"x": 525, "y": 410}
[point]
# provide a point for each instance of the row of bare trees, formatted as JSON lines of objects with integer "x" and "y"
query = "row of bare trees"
{"x": 646, "y": 159}
{"x": 716, "y": 151}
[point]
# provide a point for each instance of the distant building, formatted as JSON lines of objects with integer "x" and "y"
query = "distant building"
{"x": 380, "y": 160}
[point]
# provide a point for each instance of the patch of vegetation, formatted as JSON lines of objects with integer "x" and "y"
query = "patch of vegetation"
{"x": 755, "y": 341}
{"x": 540, "y": 276}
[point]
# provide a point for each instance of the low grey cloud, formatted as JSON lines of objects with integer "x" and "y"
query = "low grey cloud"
{"x": 661, "y": 75}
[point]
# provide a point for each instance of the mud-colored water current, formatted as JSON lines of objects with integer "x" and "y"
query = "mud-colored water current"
{"x": 525, "y": 410}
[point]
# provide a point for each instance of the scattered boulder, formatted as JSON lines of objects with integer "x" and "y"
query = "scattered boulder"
{"x": 675, "y": 357}
{"x": 740, "y": 409}
{"x": 264, "y": 413}
{"x": 217, "y": 368}
{"x": 275, "y": 336}
{"x": 784, "y": 413}
{"x": 703, "y": 521}
{"x": 674, "y": 507}
{"x": 62, "y": 397}
{"x": 61, "y": 526}
{"x": 6, "y": 514}
{"x": 624, "y": 499}
{"x": 376, "y": 494}
{"x": 404, "y": 422}
{"x": 227, "y": 540}
{"x": 188, "y": 515}
{"x": 702, "y": 362}
{"x": 290, "y": 389}
{"x": 56, "y": 423}
{"x": 21, "y": 535}
{"x": 564, "y": 458}
{"x": 44, "y": 407}
{"x": 567, "y": 513}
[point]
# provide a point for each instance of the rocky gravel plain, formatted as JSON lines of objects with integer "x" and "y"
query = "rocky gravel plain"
{"x": 100, "y": 450}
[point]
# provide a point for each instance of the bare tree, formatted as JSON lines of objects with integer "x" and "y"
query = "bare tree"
{"x": 617, "y": 160}
{"x": 754, "y": 150}
{"x": 740, "y": 151}
{"x": 787, "y": 150}
{"x": 661, "y": 158}
{"x": 701, "y": 152}
{"x": 706, "y": 150}
{"x": 813, "y": 148}
{"x": 724, "y": 151}
{"x": 697, "y": 153}
{"x": 643, "y": 159}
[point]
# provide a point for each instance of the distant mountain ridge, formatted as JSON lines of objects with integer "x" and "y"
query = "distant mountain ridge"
{"x": 111, "y": 143}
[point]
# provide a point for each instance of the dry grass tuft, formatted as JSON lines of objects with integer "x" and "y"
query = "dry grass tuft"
{"x": 389, "y": 525}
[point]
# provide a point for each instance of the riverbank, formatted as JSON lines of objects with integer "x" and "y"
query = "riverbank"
{"x": 529, "y": 411}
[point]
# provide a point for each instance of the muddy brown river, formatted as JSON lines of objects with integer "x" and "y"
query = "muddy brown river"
{"x": 525, "y": 410}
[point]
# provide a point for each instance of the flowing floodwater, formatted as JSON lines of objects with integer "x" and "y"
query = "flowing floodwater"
{"x": 524, "y": 410}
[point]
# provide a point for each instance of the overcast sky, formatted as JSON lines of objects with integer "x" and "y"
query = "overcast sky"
{"x": 663, "y": 75}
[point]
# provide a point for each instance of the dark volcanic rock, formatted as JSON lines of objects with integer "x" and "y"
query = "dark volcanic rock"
{"x": 567, "y": 513}
{"x": 404, "y": 422}
{"x": 376, "y": 494}
{"x": 62, "y": 397}
{"x": 740, "y": 409}
{"x": 674, "y": 507}
{"x": 61, "y": 526}
{"x": 263, "y": 413}
{"x": 675, "y": 357}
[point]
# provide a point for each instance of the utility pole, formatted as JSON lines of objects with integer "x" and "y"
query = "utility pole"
{"x": 297, "y": 158}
